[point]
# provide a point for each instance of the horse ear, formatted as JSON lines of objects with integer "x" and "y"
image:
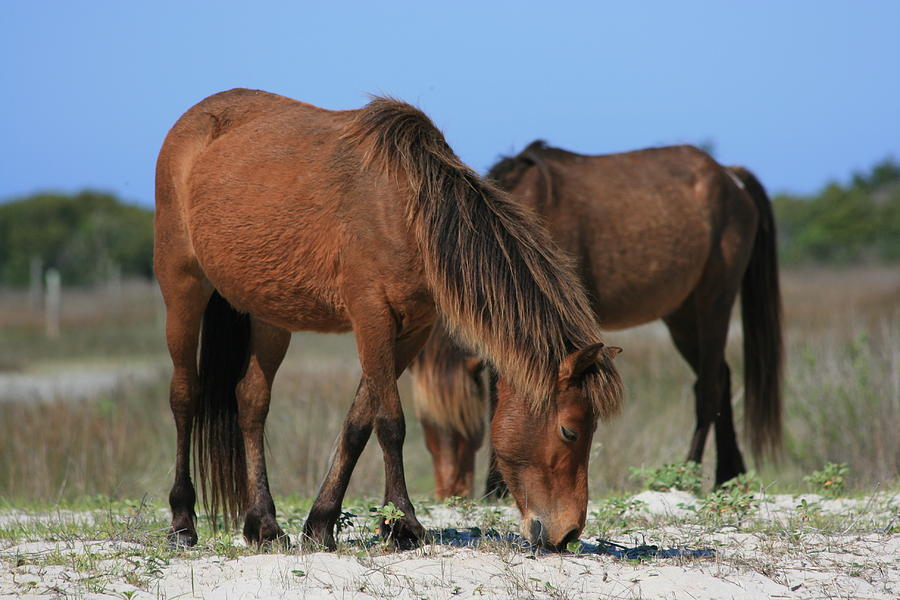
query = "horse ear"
{"x": 612, "y": 351}
{"x": 576, "y": 363}
{"x": 474, "y": 364}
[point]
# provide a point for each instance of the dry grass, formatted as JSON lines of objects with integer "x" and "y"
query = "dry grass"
{"x": 842, "y": 391}
{"x": 842, "y": 399}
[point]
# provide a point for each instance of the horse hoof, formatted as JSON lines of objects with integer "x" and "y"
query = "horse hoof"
{"x": 182, "y": 538}
{"x": 320, "y": 537}
{"x": 402, "y": 534}
{"x": 279, "y": 543}
{"x": 265, "y": 533}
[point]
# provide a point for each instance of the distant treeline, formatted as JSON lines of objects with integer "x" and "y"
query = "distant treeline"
{"x": 857, "y": 222}
{"x": 92, "y": 236}
{"x": 89, "y": 237}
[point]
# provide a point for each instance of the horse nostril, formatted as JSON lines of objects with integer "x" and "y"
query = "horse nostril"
{"x": 538, "y": 533}
{"x": 569, "y": 538}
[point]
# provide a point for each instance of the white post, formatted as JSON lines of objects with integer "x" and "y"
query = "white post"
{"x": 53, "y": 302}
{"x": 114, "y": 282}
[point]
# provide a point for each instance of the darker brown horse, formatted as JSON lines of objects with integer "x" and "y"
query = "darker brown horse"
{"x": 665, "y": 233}
{"x": 276, "y": 216}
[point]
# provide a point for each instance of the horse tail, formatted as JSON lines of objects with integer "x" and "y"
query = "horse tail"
{"x": 447, "y": 388}
{"x": 218, "y": 445}
{"x": 761, "y": 316}
{"x": 502, "y": 285}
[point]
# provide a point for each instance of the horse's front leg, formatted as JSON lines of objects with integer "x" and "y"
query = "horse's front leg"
{"x": 390, "y": 428}
{"x": 351, "y": 442}
{"x": 383, "y": 354}
{"x": 267, "y": 349}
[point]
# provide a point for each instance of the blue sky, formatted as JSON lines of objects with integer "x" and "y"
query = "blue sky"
{"x": 800, "y": 91}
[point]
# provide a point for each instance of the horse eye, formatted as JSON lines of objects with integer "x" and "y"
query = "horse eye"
{"x": 568, "y": 434}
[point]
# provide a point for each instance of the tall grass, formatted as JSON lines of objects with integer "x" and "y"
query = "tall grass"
{"x": 122, "y": 443}
{"x": 842, "y": 399}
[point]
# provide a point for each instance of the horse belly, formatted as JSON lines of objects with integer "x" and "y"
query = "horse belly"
{"x": 274, "y": 269}
{"x": 646, "y": 274}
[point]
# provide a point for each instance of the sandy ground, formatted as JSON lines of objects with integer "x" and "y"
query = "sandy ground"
{"x": 700, "y": 562}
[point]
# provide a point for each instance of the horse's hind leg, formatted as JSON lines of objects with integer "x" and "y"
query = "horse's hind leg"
{"x": 700, "y": 329}
{"x": 268, "y": 345}
{"x": 185, "y": 298}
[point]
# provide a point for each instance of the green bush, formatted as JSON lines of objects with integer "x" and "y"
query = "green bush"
{"x": 87, "y": 237}
{"x": 830, "y": 480}
{"x": 843, "y": 223}
{"x": 686, "y": 476}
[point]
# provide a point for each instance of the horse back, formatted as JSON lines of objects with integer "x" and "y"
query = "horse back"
{"x": 644, "y": 226}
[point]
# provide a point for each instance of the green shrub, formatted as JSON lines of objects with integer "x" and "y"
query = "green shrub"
{"x": 687, "y": 477}
{"x": 830, "y": 480}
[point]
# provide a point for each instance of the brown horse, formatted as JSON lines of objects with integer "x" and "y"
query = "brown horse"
{"x": 449, "y": 391}
{"x": 661, "y": 233}
{"x": 276, "y": 216}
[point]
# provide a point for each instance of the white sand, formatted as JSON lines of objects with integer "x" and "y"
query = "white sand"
{"x": 746, "y": 565}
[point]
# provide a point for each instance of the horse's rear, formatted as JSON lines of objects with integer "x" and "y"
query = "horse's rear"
{"x": 247, "y": 198}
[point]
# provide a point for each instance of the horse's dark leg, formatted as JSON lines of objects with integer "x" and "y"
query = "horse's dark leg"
{"x": 377, "y": 404}
{"x": 699, "y": 330}
{"x": 186, "y": 299}
{"x": 268, "y": 345}
{"x": 495, "y": 486}
{"x": 729, "y": 463}
{"x": 390, "y": 428}
{"x": 683, "y": 326}
{"x": 351, "y": 441}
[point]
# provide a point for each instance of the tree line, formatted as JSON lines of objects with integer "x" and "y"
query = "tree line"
{"x": 92, "y": 235}
{"x": 843, "y": 223}
{"x": 88, "y": 237}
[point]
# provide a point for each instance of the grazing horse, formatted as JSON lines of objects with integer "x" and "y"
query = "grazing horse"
{"x": 663, "y": 233}
{"x": 276, "y": 216}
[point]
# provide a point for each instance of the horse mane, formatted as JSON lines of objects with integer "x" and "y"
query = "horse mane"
{"x": 445, "y": 392}
{"x": 509, "y": 170}
{"x": 502, "y": 285}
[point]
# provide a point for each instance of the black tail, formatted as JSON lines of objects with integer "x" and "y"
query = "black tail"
{"x": 761, "y": 314}
{"x": 218, "y": 444}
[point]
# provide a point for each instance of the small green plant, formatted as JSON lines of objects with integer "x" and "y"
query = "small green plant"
{"x": 830, "y": 480}
{"x": 344, "y": 521}
{"x": 465, "y": 506}
{"x": 491, "y": 518}
{"x": 686, "y": 476}
{"x": 808, "y": 511}
{"x": 735, "y": 499}
{"x": 610, "y": 513}
{"x": 387, "y": 514}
